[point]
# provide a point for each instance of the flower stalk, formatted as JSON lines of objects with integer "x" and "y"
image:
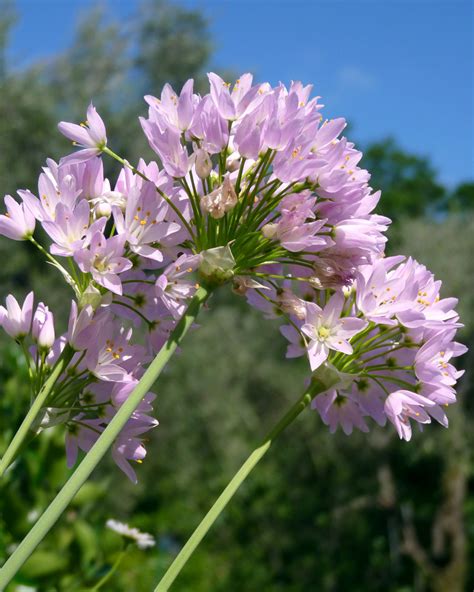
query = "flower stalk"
{"x": 317, "y": 386}
{"x": 102, "y": 445}
{"x": 39, "y": 402}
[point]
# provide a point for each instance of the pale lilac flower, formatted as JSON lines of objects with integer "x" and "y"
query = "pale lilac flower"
{"x": 328, "y": 331}
{"x": 18, "y": 223}
{"x": 202, "y": 163}
{"x": 111, "y": 357}
{"x": 129, "y": 446}
{"x": 42, "y": 328}
{"x": 336, "y": 409}
{"x": 91, "y": 136}
{"x": 104, "y": 260}
{"x": 52, "y": 192}
{"x": 297, "y": 346}
{"x": 232, "y": 104}
{"x": 401, "y": 406}
{"x": 71, "y": 230}
{"x": 171, "y": 109}
{"x": 296, "y": 237}
{"x": 144, "y": 225}
{"x": 209, "y": 127}
{"x": 82, "y": 327}
{"x": 174, "y": 287}
{"x": 167, "y": 144}
{"x": 16, "y": 321}
{"x": 286, "y": 217}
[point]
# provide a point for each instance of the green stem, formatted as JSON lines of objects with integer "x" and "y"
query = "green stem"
{"x": 234, "y": 484}
{"x": 103, "y": 443}
{"x": 111, "y": 571}
{"x": 38, "y": 404}
{"x": 58, "y": 265}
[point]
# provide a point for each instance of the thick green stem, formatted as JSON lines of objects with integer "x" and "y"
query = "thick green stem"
{"x": 104, "y": 442}
{"x": 236, "y": 481}
{"x": 35, "y": 409}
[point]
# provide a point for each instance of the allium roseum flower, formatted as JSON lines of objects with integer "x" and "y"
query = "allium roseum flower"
{"x": 16, "y": 320}
{"x": 91, "y": 135}
{"x": 18, "y": 223}
{"x": 42, "y": 329}
{"x": 253, "y": 189}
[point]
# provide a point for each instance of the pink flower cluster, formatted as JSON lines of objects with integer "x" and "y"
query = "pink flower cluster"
{"x": 388, "y": 336}
{"x": 253, "y": 186}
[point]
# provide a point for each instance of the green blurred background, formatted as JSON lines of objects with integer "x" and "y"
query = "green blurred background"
{"x": 323, "y": 512}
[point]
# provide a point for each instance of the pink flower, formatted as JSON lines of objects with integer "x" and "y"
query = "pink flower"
{"x": 82, "y": 328}
{"x": 129, "y": 446}
{"x": 16, "y": 321}
{"x": 144, "y": 225}
{"x": 18, "y": 223}
{"x": 91, "y": 135}
{"x": 232, "y": 104}
{"x": 401, "y": 406}
{"x": 328, "y": 331}
{"x": 70, "y": 230}
{"x": 171, "y": 109}
{"x": 336, "y": 409}
{"x": 174, "y": 288}
{"x": 104, "y": 260}
{"x": 167, "y": 144}
{"x": 43, "y": 327}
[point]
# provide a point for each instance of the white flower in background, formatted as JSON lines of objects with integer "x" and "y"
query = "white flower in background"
{"x": 142, "y": 539}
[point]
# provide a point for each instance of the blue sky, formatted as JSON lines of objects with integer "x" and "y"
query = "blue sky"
{"x": 392, "y": 67}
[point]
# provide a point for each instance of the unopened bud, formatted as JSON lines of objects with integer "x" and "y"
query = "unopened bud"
{"x": 229, "y": 195}
{"x": 203, "y": 164}
{"x": 217, "y": 264}
{"x": 269, "y": 230}
{"x": 42, "y": 328}
{"x": 242, "y": 284}
{"x": 212, "y": 204}
{"x": 289, "y": 303}
{"x": 93, "y": 297}
{"x": 103, "y": 210}
{"x": 221, "y": 200}
{"x": 232, "y": 164}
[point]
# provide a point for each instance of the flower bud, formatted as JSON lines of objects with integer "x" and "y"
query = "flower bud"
{"x": 290, "y": 304}
{"x": 269, "y": 230}
{"x": 229, "y": 195}
{"x": 16, "y": 321}
{"x": 221, "y": 200}
{"x": 42, "y": 328}
{"x": 212, "y": 204}
{"x": 203, "y": 163}
{"x": 93, "y": 297}
{"x": 232, "y": 163}
{"x": 103, "y": 210}
{"x": 217, "y": 264}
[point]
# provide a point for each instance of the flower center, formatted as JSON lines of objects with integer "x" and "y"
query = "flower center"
{"x": 323, "y": 333}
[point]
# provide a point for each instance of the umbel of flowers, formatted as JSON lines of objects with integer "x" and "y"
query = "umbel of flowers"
{"x": 254, "y": 189}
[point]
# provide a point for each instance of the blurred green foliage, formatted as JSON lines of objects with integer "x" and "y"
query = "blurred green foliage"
{"x": 322, "y": 512}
